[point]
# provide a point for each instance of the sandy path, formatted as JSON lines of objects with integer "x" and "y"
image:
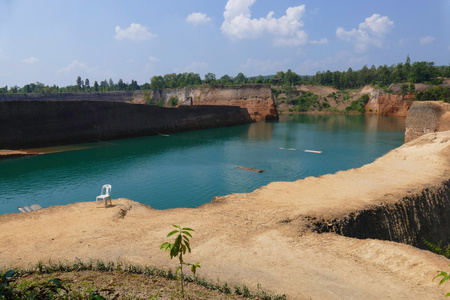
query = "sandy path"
{"x": 259, "y": 237}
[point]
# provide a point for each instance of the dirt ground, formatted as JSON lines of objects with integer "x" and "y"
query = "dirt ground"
{"x": 259, "y": 237}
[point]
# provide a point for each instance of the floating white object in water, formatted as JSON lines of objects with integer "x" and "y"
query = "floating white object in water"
{"x": 290, "y": 149}
{"x": 313, "y": 151}
{"x": 30, "y": 208}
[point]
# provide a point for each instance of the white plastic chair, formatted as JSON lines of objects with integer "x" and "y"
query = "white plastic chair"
{"x": 105, "y": 195}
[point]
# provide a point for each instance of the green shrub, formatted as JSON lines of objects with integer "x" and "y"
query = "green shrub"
{"x": 437, "y": 93}
{"x": 173, "y": 101}
{"x": 438, "y": 248}
{"x": 358, "y": 105}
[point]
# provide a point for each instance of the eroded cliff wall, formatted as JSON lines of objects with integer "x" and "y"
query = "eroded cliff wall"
{"x": 415, "y": 217}
{"x": 387, "y": 104}
{"x": 425, "y": 117}
{"x": 256, "y": 98}
{"x": 27, "y": 124}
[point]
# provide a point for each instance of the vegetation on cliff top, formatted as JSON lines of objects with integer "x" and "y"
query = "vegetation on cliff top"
{"x": 381, "y": 76}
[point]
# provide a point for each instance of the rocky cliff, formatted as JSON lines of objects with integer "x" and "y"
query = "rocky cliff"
{"x": 425, "y": 117}
{"x": 415, "y": 217}
{"x": 27, "y": 124}
{"x": 388, "y": 104}
{"x": 256, "y": 98}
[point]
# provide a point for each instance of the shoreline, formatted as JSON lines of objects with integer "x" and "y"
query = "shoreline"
{"x": 266, "y": 236}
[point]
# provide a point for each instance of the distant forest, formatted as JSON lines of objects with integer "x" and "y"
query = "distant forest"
{"x": 383, "y": 76}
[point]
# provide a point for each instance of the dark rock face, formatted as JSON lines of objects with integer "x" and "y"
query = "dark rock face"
{"x": 418, "y": 216}
{"x": 27, "y": 124}
{"x": 425, "y": 117}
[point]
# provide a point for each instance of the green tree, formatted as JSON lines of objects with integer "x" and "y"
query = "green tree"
{"x": 171, "y": 81}
{"x": 404, "y": 89}
{"x": 111, "y": 84}
{"x": 96, "y": 86}
{"x": 240, "y": 78}
{"x": 157, "y": 83}
{"x": 87, "y": 84}
{"x": 210, "y": 78}
{"x": 79, "y": 83}
{"x": 422, "y": 71}
{"x": 226, "y": 79}
{"x": 121, "y": 85}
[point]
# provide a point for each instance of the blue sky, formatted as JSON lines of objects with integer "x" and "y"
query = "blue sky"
{"x": 54, "y": 41}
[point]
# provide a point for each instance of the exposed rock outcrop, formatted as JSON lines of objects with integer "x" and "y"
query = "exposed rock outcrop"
{"x": 26, "y": 124}
{"x": 416, "y": 217}
{"x": 387, "y": 104}
{"x": 425, "y": 117}
{"x": 256, "y": 98}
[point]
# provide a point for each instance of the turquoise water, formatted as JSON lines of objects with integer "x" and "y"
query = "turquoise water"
{"x": 188, "y": 169}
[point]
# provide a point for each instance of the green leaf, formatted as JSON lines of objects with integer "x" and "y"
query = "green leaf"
{"x": 447, "y": 295}
{"x": 187, "y": 229}
{"x": 165, "y": 245}
{"x": 178, "y": 241}
{"x": 187, "y": 233}
{"x": 177, "y": 226}
{"x": 188, "y": 246}
{"x": 9, "y": 274}
{"x": 172, "y": 233}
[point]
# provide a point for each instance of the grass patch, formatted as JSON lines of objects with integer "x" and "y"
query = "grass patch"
{"x": 95, "y": 279}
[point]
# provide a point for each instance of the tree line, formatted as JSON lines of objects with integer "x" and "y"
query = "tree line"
{"x": 382, "y": 76}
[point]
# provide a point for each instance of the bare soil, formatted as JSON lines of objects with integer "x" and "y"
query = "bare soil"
{"x": 260, "y": 237}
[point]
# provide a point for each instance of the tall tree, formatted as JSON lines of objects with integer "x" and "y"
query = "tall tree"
{"x": 210, "y": 78}
{"x": 157, "y": 83}
{"x": 79, "y": 83}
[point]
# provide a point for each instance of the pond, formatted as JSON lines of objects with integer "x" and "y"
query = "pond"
{"x": 188, "y": 169}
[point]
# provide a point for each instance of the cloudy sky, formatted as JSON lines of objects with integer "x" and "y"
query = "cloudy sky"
{"x": 54, "y": 41}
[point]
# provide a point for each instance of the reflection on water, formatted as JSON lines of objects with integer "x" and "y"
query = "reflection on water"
{"x": 188, "y": 169}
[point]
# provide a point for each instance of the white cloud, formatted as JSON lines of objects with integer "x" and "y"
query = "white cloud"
{"x": 320, "y": 42}
{"x": 136, "y": 32}
{"x": 370, "y": 33}
{"x": 255, "y": 66}
{"x": 427, "y": 40}
{"x": 198, "y": 18}
{"x": 194, "y": 67}
{"x": 75, "y": 65}
{"x": 152, "y": 58}
{"x": 285, "y": 31}
{"x": 341, "y": 61}
{"x": 30, "y": 60}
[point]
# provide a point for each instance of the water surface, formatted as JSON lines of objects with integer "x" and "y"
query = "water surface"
{"x": 188, "y": 169}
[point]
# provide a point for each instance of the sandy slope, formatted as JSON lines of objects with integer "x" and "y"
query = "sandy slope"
{"x": 259, "y": 237}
